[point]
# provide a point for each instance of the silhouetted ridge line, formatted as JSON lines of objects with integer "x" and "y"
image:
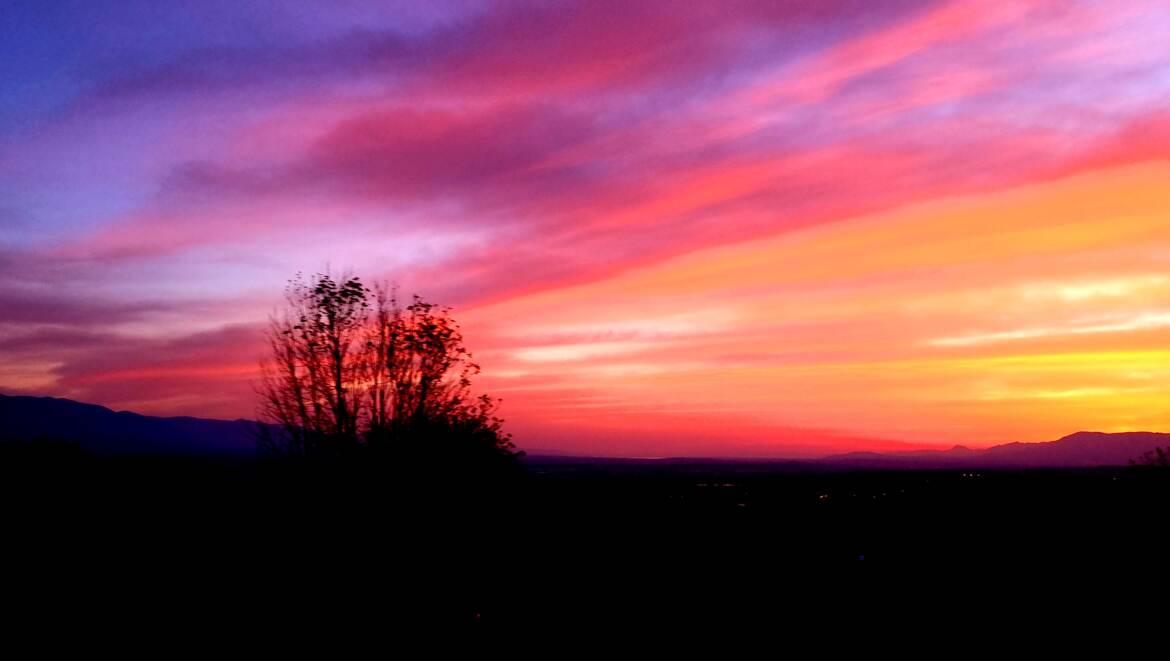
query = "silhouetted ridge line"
{"x": 1082, "y": 449}
{"x": 101, "y": 430}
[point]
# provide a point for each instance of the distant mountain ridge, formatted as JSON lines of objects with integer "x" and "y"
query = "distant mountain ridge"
{"x": 1082, "y": 449}
{"x": 101, "y": 430}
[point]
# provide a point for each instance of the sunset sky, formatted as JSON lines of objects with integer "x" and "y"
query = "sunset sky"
{"x": 726, "y": 228}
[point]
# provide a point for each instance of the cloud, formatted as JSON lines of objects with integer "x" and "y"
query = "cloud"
{"x": 178, "y": 166}
{"x": 53, "y": 308}
{"x": 1143, "y": 321}
{"x": 847, "y": 317}
{"x": 211, "y": 371}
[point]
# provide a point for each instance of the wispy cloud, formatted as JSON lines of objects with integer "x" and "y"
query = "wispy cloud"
{"x": 1144, "y": 321}
{"x": 750, "y": 183}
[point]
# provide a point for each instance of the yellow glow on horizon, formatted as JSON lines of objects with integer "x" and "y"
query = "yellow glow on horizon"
{"x": 1018, "y": 315}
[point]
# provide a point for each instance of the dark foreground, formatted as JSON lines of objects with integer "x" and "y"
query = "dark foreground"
{"x": 184, "y": 546}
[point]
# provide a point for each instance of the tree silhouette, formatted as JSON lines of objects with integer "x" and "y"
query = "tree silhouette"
{"x": 351, "y": 370}
{"x": 1156, "y": 458}
{"x": 310, "y": 385}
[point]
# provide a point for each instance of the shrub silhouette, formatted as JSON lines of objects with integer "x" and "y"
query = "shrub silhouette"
{"x": 1156, "y": 458}
{"x": 350, "y": 370}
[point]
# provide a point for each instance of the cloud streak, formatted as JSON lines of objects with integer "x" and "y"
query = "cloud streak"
{"x": 173, "y": 166}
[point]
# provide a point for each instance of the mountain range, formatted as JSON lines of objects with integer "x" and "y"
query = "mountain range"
{"x": 100, "y": 430}
{"x": 1082, "y": 449}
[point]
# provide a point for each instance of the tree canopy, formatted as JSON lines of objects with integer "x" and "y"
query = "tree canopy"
{"x": 350, "y": 369}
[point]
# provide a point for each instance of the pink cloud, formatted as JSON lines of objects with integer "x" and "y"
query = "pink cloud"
{"x": 495, "y": 155}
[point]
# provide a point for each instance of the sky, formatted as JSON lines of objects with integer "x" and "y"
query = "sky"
{"x": 726, "y": 228}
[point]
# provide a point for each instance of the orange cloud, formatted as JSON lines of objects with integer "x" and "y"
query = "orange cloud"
{"x": 923, "y": 324}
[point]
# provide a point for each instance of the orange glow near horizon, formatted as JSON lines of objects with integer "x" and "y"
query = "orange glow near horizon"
{"x": 1017, "y": 315}
{"x": 752, "y": 228}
